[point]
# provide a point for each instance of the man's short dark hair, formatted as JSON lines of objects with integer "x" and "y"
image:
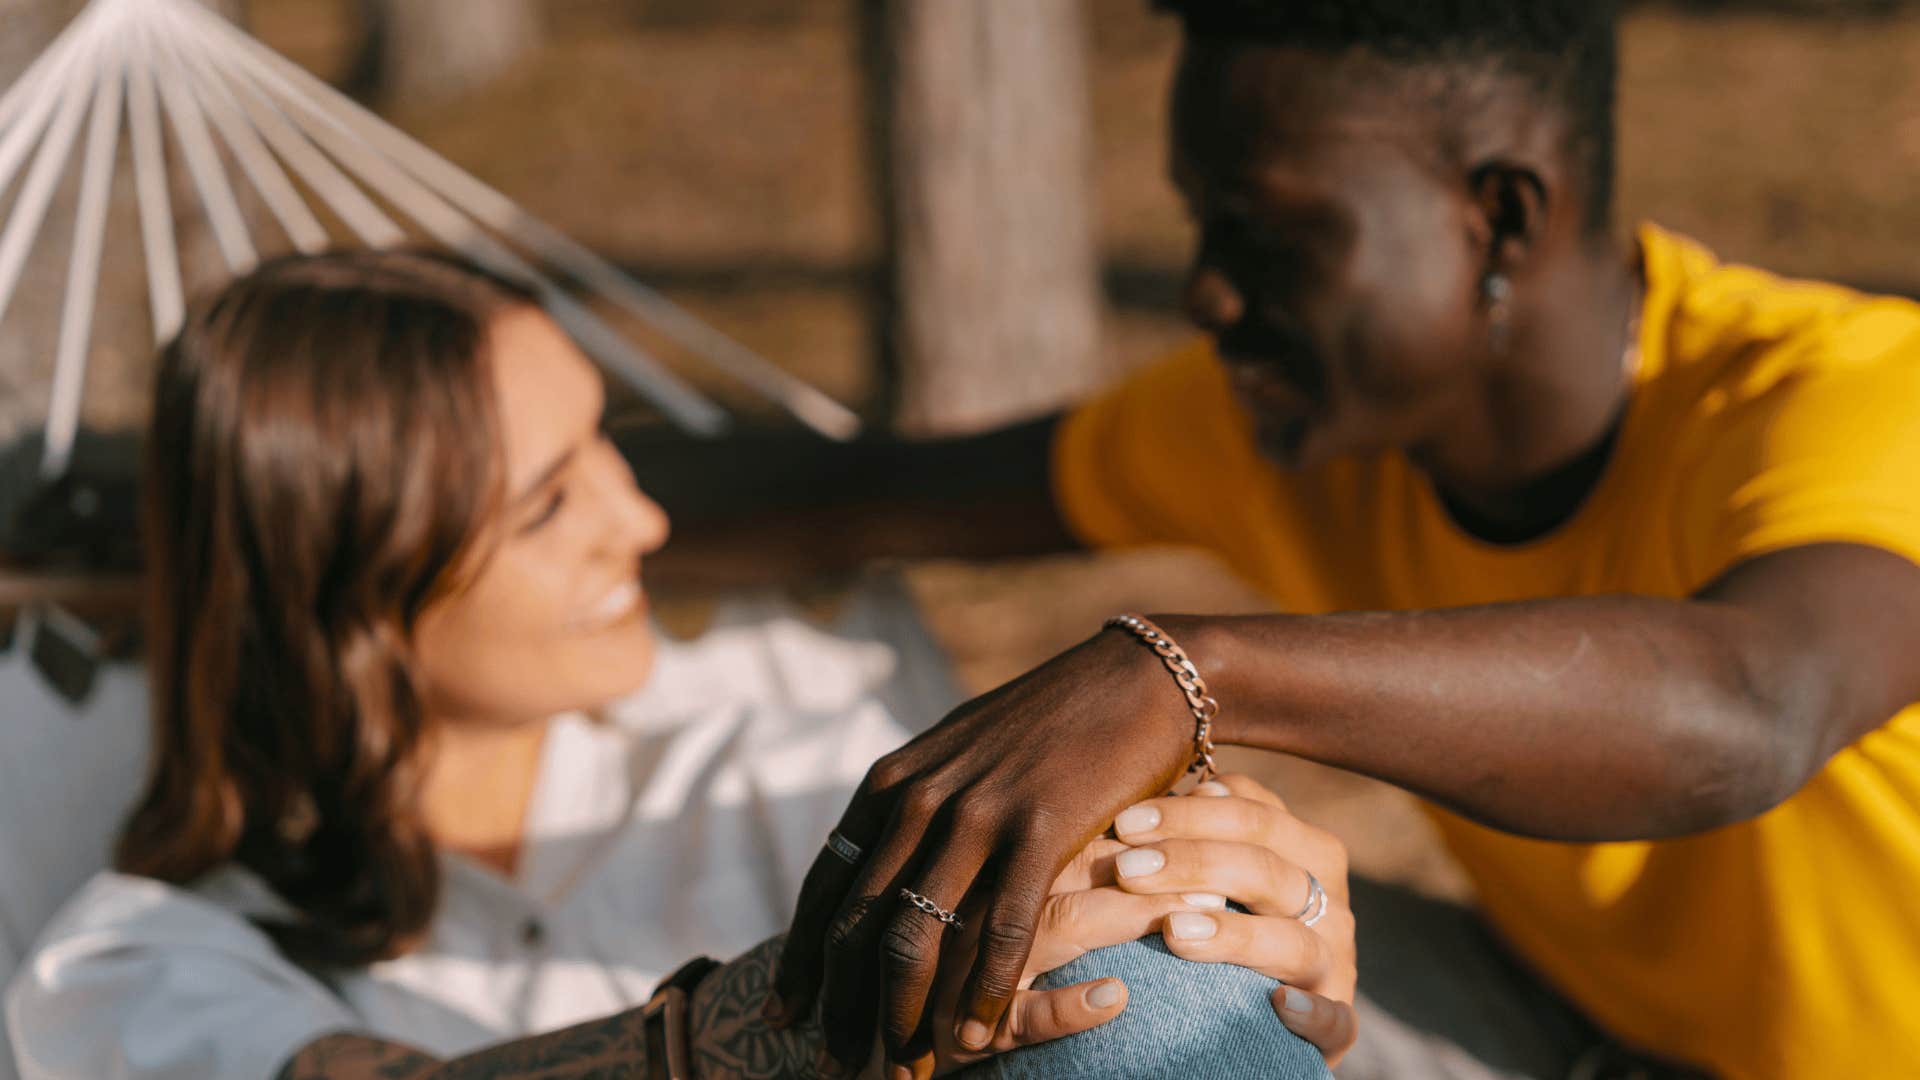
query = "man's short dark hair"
{"x": 1565, "y": 48}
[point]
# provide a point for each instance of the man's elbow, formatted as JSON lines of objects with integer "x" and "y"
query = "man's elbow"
{"x": 1748, "y": 751}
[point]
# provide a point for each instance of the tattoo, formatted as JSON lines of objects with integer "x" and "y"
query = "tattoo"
{"x": 612, "y": 1046}
{"x": 729, "y": 1040}
{"x": 356, "y": 1057}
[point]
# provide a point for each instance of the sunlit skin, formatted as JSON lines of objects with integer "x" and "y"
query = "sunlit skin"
{"x": 547, "y": 614}
{"x": 1348, "y": 210}
{"x": 1341, "y": 250}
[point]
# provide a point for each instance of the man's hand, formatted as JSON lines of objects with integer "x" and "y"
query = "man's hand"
{"x": 1048, "y": 760}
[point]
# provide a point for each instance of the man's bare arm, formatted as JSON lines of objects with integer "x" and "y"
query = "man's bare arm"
{"x": 1593, "y": 718}
{"x": 769, "y": 506}
{"x": 729, "y": 1039}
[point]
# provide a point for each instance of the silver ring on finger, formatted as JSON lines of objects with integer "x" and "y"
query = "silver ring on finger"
{"x": 1315, "y": 905}
{"x": 838, "y": 843}
{"x": 1319, "y": 910}
{"x": 932, "y": 909}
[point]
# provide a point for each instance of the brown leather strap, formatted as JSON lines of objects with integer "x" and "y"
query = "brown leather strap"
{"x": 665, "y": 1020}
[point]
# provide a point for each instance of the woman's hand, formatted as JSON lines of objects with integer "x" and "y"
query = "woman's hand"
{"x": 1243, "y": 845}
{"x": 1085, "y": 911}
{"x": 1001, "y": 794}
{"x": 1232, "y": 840}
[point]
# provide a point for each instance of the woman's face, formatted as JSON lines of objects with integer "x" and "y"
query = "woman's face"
{"x": 549, "y": 615}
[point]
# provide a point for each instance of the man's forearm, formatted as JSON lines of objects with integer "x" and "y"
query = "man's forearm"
{"x": 1579, "y": 719}
{"x": 771, "y": 506}
{"x": 610, "y": 1046}
{"x": 728, "y": 1038}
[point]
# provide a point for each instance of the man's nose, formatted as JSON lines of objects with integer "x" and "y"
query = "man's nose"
{"x": 1212, "y": 303}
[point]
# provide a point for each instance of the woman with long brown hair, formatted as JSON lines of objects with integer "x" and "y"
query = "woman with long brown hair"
{"x": 394, "y": 566}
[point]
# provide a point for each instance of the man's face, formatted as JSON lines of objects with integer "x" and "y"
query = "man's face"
{"x": 1336, "y": 263}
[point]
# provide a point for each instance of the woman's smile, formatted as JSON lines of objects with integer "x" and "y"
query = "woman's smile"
{"x": 620, "y": 604}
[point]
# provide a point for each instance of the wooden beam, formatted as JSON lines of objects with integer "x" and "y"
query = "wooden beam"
{"x": 991, "y": 196}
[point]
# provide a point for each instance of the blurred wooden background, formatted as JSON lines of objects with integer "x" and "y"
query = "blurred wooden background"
{"x": 730, "y": 152}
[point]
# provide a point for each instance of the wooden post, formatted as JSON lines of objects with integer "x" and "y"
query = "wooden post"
{"x": 996, "y": 272}
{"x": 436, "y": 50}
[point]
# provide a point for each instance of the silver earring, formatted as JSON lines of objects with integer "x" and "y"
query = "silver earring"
{"x": 299, "y": 821}
{"x": 1497, "y": 291}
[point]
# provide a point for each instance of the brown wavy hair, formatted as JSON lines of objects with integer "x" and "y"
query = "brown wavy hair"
{"x": 320, "y": 460}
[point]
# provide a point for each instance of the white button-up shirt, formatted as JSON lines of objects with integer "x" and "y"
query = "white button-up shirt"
{"x": 675, "y": 823}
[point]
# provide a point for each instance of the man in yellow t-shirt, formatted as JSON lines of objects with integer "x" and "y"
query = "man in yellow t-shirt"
{"x": 1626, "y": 539}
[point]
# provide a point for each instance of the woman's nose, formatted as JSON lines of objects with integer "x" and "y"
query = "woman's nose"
{"x": 650, "y": 526}
{"x": 1212, "y": 303}
{"x": 634, "y": 521}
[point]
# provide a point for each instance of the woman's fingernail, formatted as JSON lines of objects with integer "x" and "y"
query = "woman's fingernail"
{"x": 1298, "y": 1003}
{"x": 1189, "y": 926}
{"x": 1139, "y": 862}
{"x": 902, "y": 1072}
{"x": 1105, "y": 994}
{"x": 973, "y": 1035}
{"x": 1212, "y": 901}
{"x": 1213, "y": 788}
{"x": 1137, "y": 819}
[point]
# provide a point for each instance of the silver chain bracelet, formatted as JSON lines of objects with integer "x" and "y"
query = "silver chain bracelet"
{"x": 1202, "y": 704}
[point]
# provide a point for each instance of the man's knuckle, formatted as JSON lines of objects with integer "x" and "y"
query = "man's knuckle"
{"x": 920, "y": 802}
{"x": 1038, "y": 826}
{"x": 843, "y": 930}
{"x": 888, "y": 773}
{"x": 975, "y": 814}
{"x": 1005, "y": 936}
{"x": 904, "y": 948}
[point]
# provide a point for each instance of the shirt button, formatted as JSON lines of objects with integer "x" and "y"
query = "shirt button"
{"x": 533, "y": 934}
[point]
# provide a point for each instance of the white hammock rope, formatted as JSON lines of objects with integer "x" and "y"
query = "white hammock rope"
{"x": 124, "y": 63}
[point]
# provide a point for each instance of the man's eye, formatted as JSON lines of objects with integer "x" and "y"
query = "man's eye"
{"x": 548, "y": 510}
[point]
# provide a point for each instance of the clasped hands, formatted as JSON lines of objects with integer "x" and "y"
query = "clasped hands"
{"x": 1168, "y": 866}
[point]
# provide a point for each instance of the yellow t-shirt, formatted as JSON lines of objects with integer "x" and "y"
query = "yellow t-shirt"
{"x": 1767, "y": 414}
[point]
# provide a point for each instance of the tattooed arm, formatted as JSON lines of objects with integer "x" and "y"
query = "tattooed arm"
{"x": 729, "y": 1040}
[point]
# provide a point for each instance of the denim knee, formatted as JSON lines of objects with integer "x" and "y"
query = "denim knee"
{"x": 1183, "y": 1021}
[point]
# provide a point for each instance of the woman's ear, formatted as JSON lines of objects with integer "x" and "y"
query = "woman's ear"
{"x": 1510, "y": 213}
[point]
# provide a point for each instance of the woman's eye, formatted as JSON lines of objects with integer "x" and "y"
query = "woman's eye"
{"x": 548, "y": 510}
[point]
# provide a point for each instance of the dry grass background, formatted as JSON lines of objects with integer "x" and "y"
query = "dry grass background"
{"x": 716, "y": 146}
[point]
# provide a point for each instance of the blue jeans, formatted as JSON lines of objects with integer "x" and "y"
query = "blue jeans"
{"x": 1183, "y": 1021}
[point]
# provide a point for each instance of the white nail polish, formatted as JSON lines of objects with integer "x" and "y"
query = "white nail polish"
{"x": 1208, "y": 900}
{"x": 1298, "y": 1003}
{"x": 1212, "y": 788}
{"x": 1137, "y": 819}
{"x": 1105, "y": 995}
{"x": 1188, "y": 926}
{"x": 1138, "y": 862}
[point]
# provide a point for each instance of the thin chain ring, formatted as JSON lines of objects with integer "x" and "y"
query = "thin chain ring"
{"x": 932, "y": 909}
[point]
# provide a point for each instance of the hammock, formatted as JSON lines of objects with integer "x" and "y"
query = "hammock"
{"x": 123, "y": 63}
{"x": 131, "y": 60}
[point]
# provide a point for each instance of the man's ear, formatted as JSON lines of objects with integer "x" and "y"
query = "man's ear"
{"x": 1510, "y": 204}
